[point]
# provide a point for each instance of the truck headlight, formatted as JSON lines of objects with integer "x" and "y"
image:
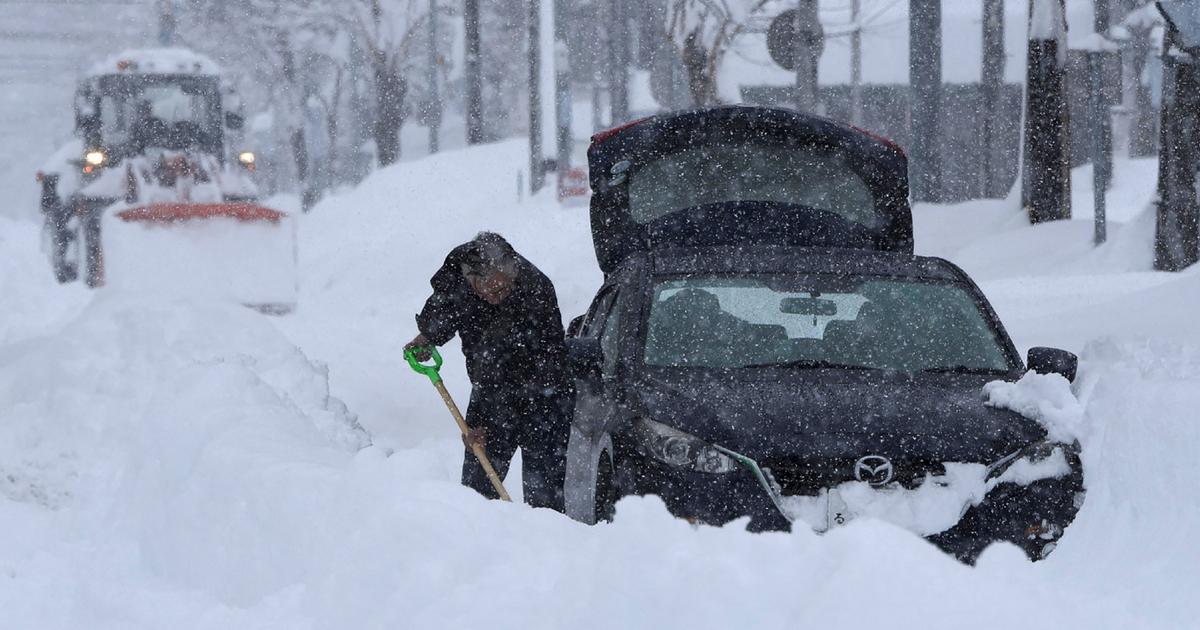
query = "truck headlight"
{"x": 94, "y": 158}
{"x": 682, "y": 450}
{"x": 246, "y": 158}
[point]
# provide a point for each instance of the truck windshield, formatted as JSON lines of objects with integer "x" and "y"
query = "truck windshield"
{"x": 697, "y": 176}
{"x": 163, "y": 111}
{"x": 820, "y": 321}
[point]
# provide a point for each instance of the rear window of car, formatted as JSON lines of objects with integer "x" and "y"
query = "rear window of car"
{"x": 809, "y": 177}
{"x": 820, "y": 321}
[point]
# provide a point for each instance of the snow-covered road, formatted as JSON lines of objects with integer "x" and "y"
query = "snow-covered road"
{"x": 166, "y": 462}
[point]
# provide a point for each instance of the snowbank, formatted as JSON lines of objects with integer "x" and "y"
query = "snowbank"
{"x": 181, "y": 463}
{"x": 32, "y": 303}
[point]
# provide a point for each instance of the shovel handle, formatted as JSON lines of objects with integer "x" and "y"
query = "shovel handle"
{"x": 427, "y": 369}
{"x": 432, "y": 371}
{"x": 478, "y": 450}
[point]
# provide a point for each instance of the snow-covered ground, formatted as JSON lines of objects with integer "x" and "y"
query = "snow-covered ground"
{"x": 184, "y": 463}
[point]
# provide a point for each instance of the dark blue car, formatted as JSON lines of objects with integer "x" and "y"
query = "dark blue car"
{"x": 765, "y": 345}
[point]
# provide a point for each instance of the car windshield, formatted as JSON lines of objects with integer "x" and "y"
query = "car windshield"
{"x": 820, "y": 321}
{"x": 809, "y": 177}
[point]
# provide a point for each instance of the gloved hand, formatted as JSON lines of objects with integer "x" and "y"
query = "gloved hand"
{"x": 423, "y": 353}
{"x": 476, "y": 436}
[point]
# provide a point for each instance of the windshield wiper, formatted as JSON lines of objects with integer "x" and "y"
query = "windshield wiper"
{"x": 962, "y": 369}
{"x": 807, "y": 363}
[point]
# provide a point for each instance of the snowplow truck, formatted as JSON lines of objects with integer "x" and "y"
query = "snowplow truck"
{"x": 157, "y": 150}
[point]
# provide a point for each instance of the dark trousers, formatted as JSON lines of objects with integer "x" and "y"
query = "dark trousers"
{"x": 535, "y": 419}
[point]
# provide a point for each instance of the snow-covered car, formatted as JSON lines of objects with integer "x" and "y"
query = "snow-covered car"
{"x": 812, "y": 385}
{"x": 773, "y": 349}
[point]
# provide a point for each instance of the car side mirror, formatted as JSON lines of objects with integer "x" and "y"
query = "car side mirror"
{"x": 585, "y": 355}
{"x": 1053, "y": 361}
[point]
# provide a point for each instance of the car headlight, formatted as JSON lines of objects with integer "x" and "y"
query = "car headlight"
{"x": 94, "y": 158}
{"x": 682, "y": 450}
{"x": 246, "y": 157}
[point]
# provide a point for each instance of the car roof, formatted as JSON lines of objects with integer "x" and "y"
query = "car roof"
{"x": 772, "y": 259}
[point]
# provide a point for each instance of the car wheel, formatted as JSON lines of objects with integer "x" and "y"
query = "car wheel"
{"x": 589, "y": 469}
{"x": 606, "y": 495}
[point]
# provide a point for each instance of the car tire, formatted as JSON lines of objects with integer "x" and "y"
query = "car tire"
{"x": 583, "y": 476}
{"x": 606, "y": 495}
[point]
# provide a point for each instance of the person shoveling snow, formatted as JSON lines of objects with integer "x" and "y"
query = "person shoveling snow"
{"x": 506, "y": 312}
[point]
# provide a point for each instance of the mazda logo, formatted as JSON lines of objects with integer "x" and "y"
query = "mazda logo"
{"x": 874, "y": 469}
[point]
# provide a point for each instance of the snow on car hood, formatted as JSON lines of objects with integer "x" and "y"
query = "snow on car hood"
{"x": 932, "y": 507}
{"x": 1045, "y": 398}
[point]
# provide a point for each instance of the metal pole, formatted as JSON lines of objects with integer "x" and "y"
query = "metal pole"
{"x": 992, "y": 80}
{"x": 537, "y": 174}
{"x": 435, "y": 102}
{"x": 1103, "y": 136}
{"x": 925, "y": 92}
{"x": 618, "y": 62}
{"x": 802, "y": 29}
{"x": 474, "y": 72}
{"x": 562, "y": 105}
{"x": 1099, "y": 111}
{"x": 856, "y": 105}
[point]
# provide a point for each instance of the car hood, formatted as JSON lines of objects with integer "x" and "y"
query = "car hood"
{"x": 809, "y": 418}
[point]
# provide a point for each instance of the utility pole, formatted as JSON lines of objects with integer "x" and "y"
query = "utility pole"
{"x": 474, "y": 72}
{"x": 925, "y": 96}
{"x": 435, "y": 99}
{"x": 1099, "y": 111}
{"x": 618, "y": 62}
{"x": 537, "y": 174}
{"x": 1097, "y": 60}
{"x": 562, "y": 89}
{"x": 167, "y": 24}
{"x": 1138, "y": 99}
{"x": 1046, "y": 176}
{"x": 562, "y": 106}
{"x": 1177, "y": 230}
{"x": 856, "y": 105}
{"x": 806, "y": 30}
{"x": 991, "y": 78}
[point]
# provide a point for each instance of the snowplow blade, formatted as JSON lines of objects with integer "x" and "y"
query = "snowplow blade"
{"x": 175, "y": 212}
{"x": 234, "y": 250}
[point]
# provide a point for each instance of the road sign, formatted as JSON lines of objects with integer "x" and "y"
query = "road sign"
{"x": 781, "y": 37}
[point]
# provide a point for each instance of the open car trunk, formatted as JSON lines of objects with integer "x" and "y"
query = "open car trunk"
{"x": 745, "y": 175}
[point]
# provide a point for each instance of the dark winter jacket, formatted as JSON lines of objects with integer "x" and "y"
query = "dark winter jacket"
{"x": 519, "y": 342}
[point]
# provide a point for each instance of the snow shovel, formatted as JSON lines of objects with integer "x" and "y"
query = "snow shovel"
{"x": 432, "y": 371}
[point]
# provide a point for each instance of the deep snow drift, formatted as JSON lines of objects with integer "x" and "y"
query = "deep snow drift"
{"x": 178, "y": 462}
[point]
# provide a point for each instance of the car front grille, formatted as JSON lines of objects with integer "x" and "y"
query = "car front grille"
{"x": 798, "y": 476}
